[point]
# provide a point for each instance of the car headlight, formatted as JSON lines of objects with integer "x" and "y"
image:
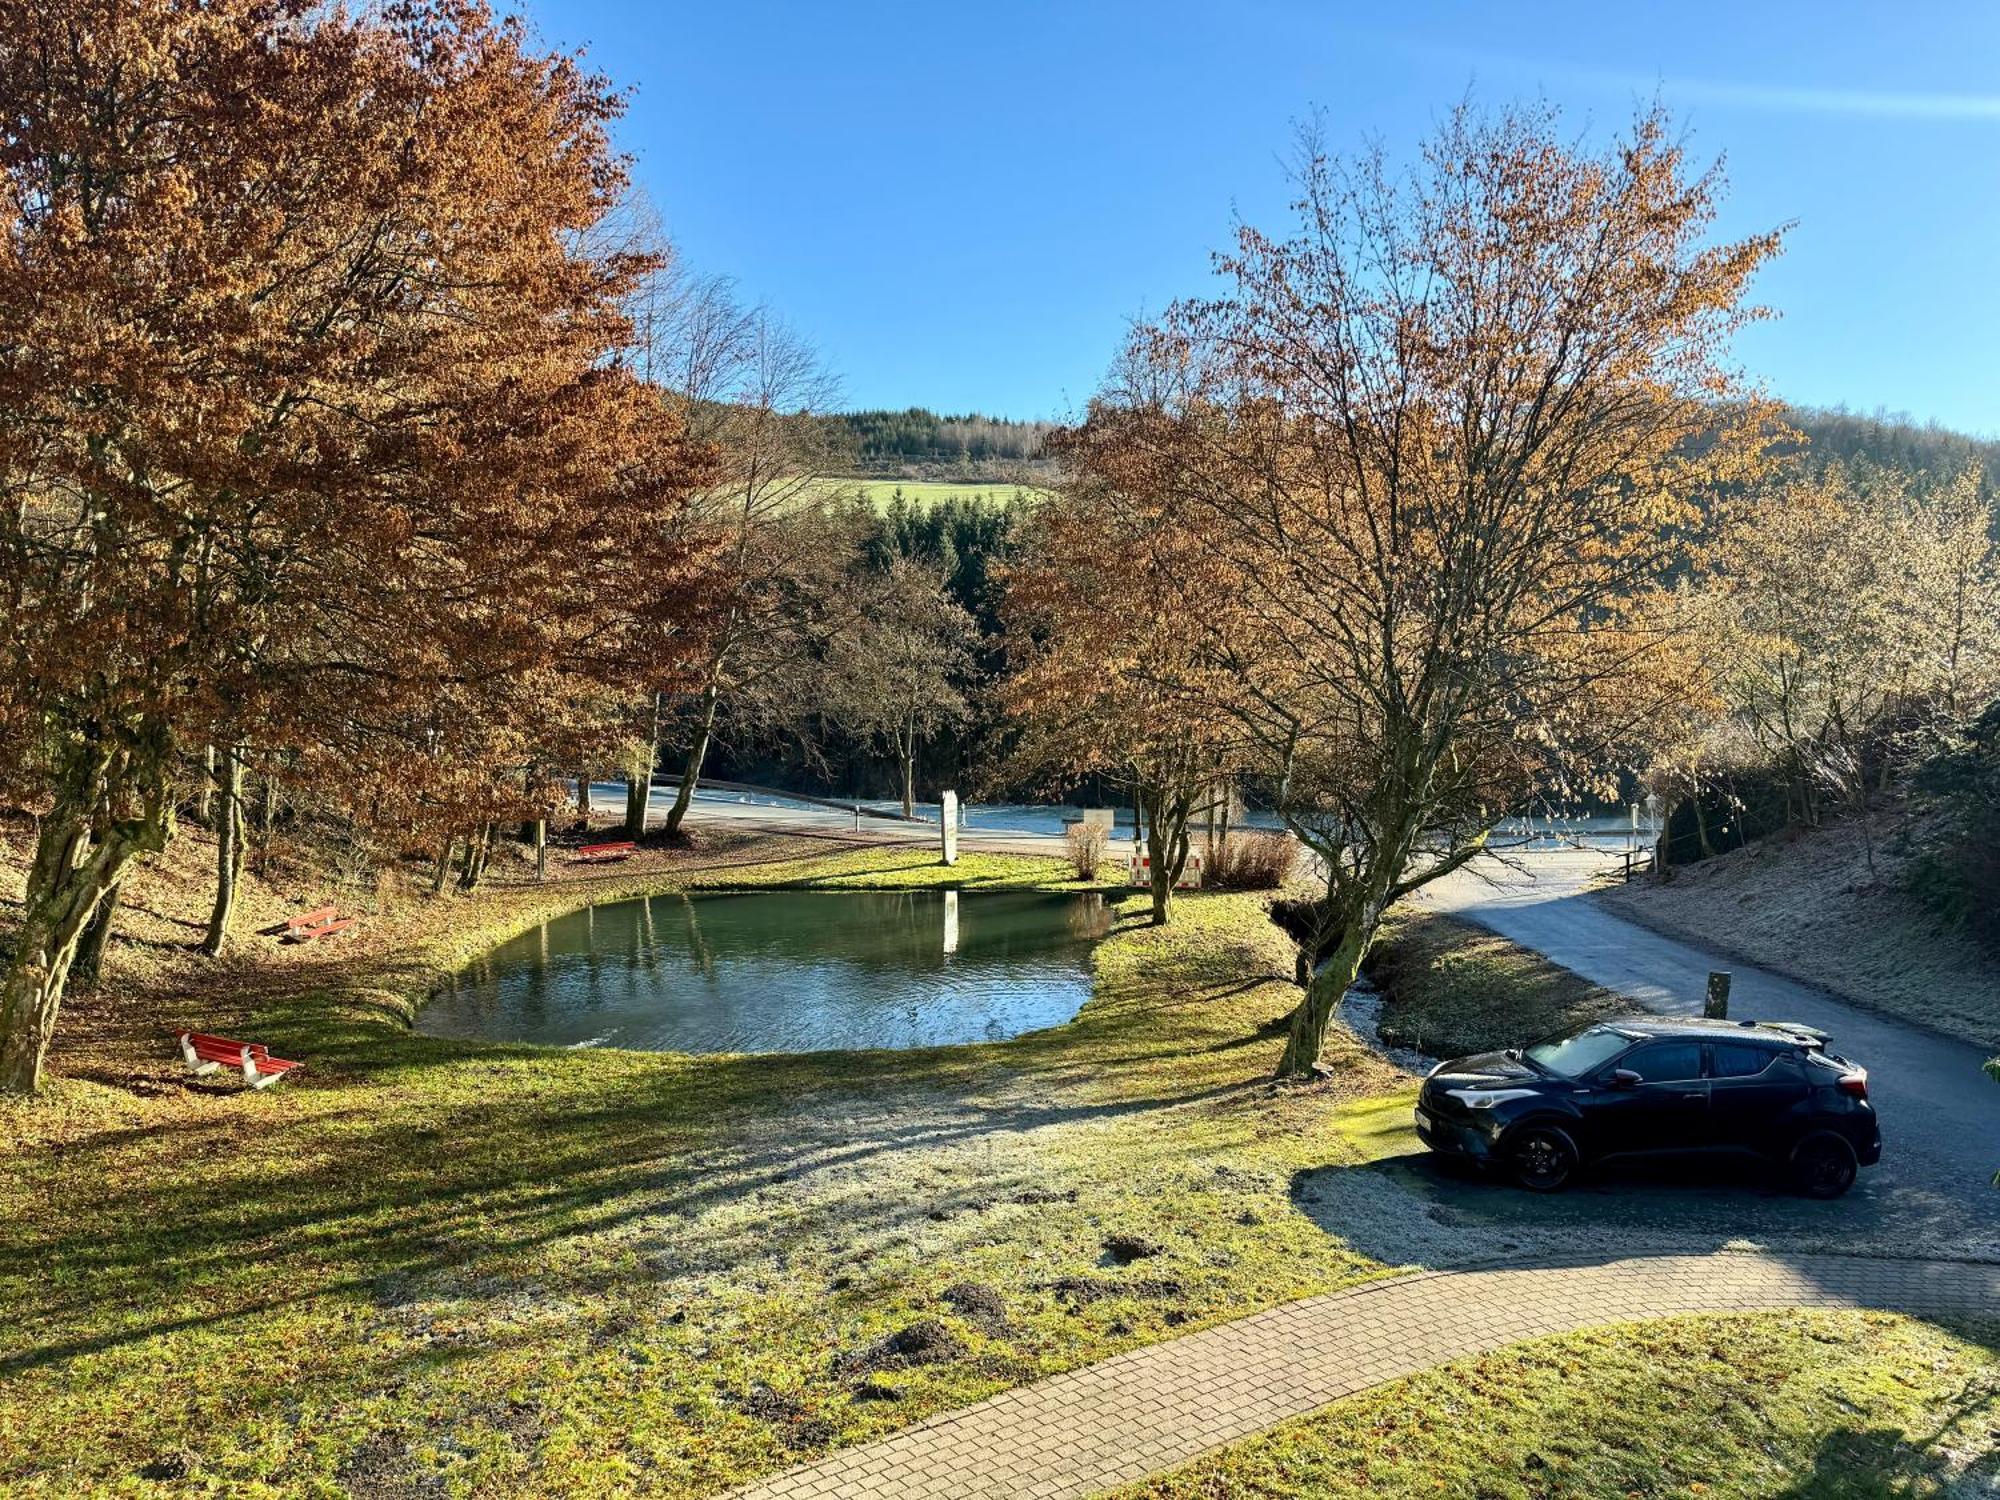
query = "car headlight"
{"x": 1487, "y": 1098}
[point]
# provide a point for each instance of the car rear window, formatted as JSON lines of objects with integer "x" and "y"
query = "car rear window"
{"x": 1740, "y": 1060}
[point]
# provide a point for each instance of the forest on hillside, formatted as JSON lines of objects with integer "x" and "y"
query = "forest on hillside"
{"x": 922, "y": 440}
{"x": 1926, "y": 452}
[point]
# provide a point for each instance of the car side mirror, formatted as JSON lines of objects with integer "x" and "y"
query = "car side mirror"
{"x": 1625, "y": 1078}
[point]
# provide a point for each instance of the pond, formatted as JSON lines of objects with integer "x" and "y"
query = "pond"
{"x": 782, "y": 971}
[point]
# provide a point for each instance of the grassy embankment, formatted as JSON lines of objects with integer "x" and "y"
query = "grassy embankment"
{"x": 1829, "y": 907}
{"x": 1806, "y": 1406}
{"x": 490, "y": 1269}
{"x": 1451, "y": 988}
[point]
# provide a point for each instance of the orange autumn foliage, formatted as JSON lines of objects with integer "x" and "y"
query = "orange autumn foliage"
{"x": 313, "y": 423}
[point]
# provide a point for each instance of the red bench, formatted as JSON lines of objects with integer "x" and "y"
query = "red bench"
{"x": 323, "y": 922}
{"x": 205, "y": 1054}
{"x": 602, "y": 854}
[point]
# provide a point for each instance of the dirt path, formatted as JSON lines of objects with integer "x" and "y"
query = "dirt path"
{"x": 1158, "y": 1407}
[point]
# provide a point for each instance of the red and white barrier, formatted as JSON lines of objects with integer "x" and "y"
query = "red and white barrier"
{"x": 1142, "y": 871}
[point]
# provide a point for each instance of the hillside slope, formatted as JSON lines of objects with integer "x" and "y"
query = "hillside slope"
{"x": 1809, "y": 907}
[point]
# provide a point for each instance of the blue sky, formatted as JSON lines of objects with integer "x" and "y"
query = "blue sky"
{"x": 963, "y": 206}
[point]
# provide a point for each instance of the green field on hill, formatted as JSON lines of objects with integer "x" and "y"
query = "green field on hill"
{"x": 879, "y": 492}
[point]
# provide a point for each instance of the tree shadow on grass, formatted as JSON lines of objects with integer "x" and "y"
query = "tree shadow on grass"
{"x": 345, "y": 1200}
{"x": 1958, "y": 1459}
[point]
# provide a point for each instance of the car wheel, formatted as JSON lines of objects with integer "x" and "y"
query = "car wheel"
{"x": 1542, "y": 1157}
{"x": 1823, "y": 1166}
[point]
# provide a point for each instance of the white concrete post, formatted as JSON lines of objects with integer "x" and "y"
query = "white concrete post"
{"x": 948, "y": 826}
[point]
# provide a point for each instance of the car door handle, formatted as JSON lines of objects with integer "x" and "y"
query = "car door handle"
{"x": 1697, "y": 1094}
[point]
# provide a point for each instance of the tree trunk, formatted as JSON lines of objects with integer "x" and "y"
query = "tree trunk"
{"x": 87, "y": 971}
{"x": 583, "y": 797}
{"x": 443, "y": 870}
{"x": 697, "y": 753}
{"x": 228, "y": 851}
{"x": 204, "y": 799}
{"x": 1166, "y": 852}
{"x": 541, "y": 842}
{"x": 638, "y": 798}
{"x": 1701, "y": 829}
{"x": 477, "y": 848}
{"x": 267, "y": 813}
{"x": 909, "y": 760}
{"x": 1322, "y": 997}
{"x": 66, "y": 883}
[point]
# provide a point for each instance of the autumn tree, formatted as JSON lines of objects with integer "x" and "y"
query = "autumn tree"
{"x": 1440, "y": 432}
{"x": 310, "y": 405}
{"x": 779, "y": 536}
{"x": 1851, "y": 617}
{"x": 900, "y": 675}
{"x": 1116, "y": 617}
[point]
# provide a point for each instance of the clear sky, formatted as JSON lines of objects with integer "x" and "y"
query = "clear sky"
{"x": 964, "y": 205}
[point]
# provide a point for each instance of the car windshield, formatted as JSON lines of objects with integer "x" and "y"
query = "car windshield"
{"x": 1573, "y": 1056}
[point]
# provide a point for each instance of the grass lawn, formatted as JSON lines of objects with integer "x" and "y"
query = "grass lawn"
{"x": 1450, "y": 988}
{"x": 439, "y": 1267}
{"x": 1808, "y": 1406}
{"x": 426, "y": 1267}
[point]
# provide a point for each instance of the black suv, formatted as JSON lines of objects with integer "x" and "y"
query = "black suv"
{"x": 1650, "y": 1087}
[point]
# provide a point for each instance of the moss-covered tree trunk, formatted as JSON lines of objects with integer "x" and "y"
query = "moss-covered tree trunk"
{"x": 1322, "y": 997}
{"x": 81, "y": 854}
{"x": 638, "y": 787}
{"x": 87, "y": 970}
{"x": 639, "y": 780}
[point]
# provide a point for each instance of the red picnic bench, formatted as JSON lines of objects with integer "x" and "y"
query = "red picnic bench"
{"x": 601, "y": 854}
{"x": 205, "y": 1054}
{"x": 322, "y": 922}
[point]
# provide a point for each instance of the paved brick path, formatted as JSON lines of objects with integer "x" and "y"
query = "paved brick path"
{"x": 1154, "y": 1408}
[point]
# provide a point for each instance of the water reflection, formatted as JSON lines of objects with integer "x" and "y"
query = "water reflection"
{"x": 783, "y": 972}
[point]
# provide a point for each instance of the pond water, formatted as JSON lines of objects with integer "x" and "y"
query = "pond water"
{"x": 783, "y": 971}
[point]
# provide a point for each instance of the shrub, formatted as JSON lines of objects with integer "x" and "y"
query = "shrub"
{"x": 1085, "y": 843}
{"x": 1252, "y": 861}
